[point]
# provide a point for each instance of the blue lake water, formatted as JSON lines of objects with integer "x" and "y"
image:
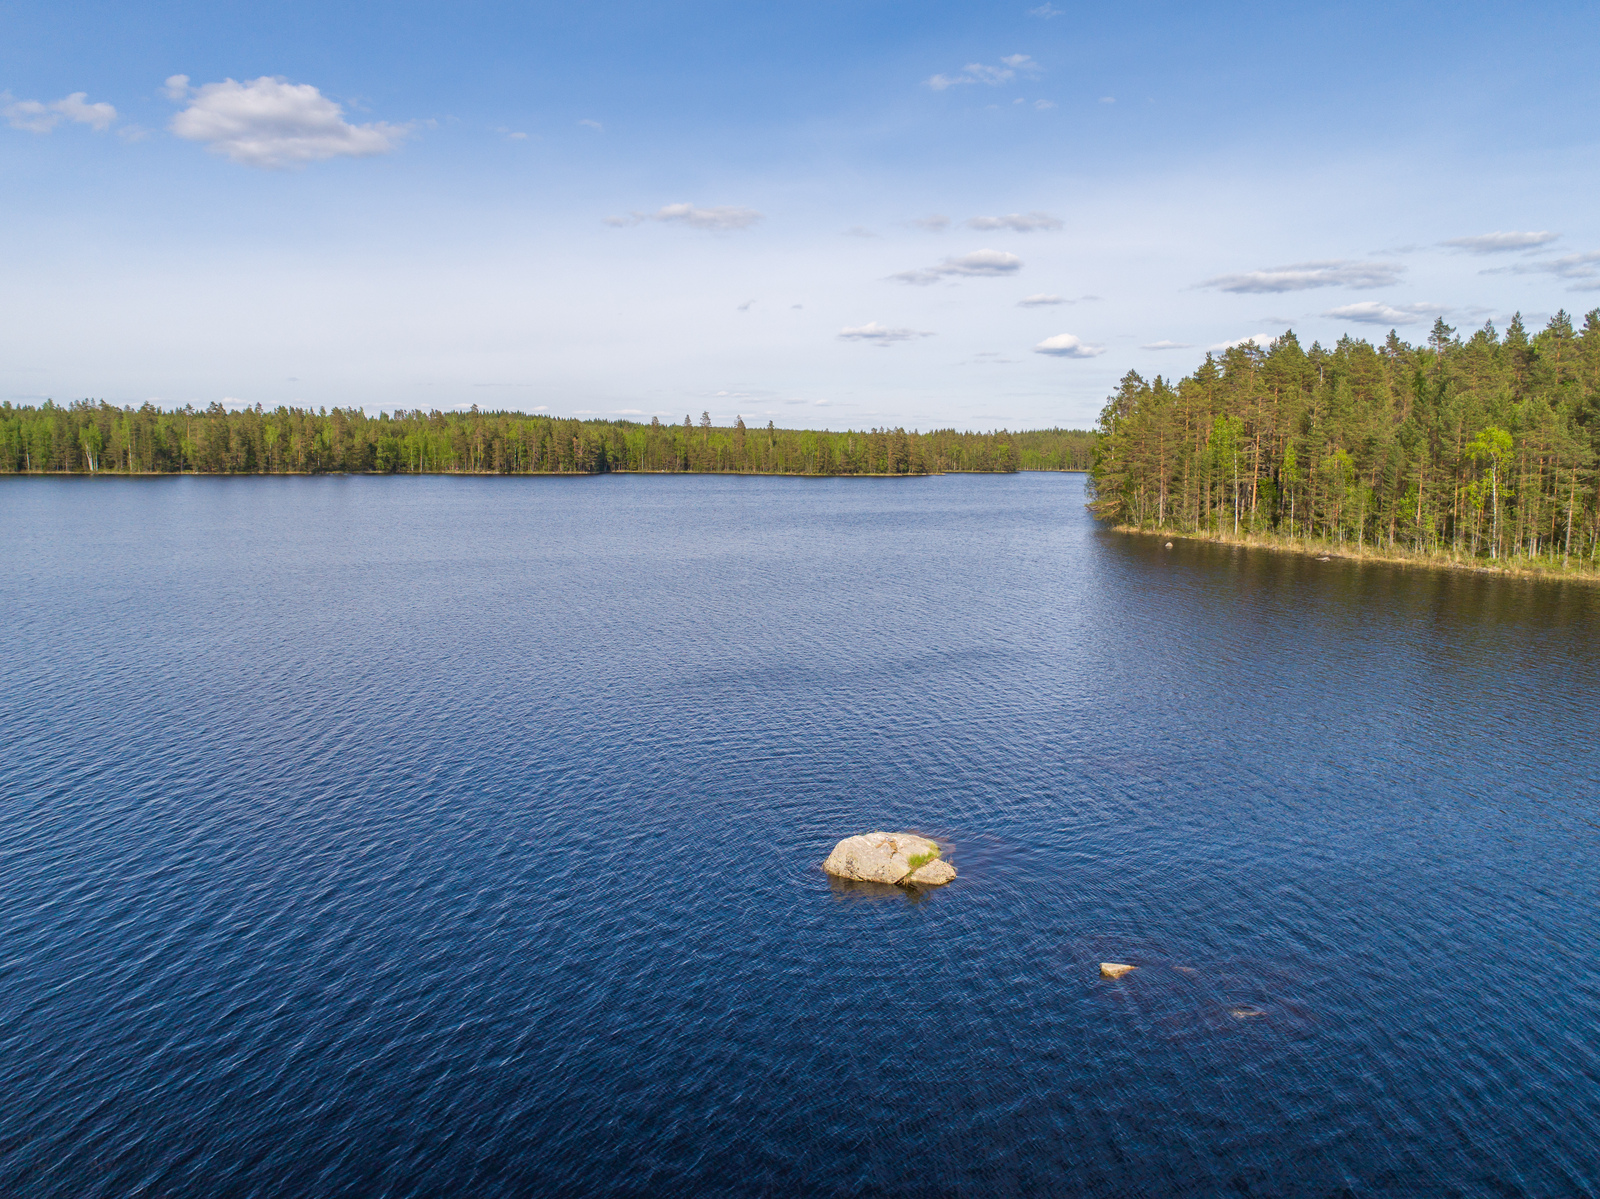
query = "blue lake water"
{"x": 417, "y": 837}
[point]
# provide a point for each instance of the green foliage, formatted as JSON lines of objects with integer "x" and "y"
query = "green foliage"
{"x": 1480, "y": 447}
{"x": 99, "y": 437}
{"x": 919, "y": 860}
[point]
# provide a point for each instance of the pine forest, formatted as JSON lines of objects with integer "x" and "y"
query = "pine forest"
{"x": 92, "y": 438}
{"x": 1474, "y": 448}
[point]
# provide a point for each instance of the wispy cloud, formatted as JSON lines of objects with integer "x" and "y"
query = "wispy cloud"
{"x": 983, "y": 263}
{"x": 1046, "y": 11}
{"x": 591, "y": 124}
{"x": 1042, "y": 300}
{"x": 37, "y": 117}
{"x": 1371, "y": 312}
{"x": 934, "y": 223}
{"x": 1263, "y": 340}
{"x": 880, "y": 335}
{"x": 270, "y": 122}
{"x": 1065, "y": 345}
{"x": 1304, "y": 276}
{"x": 1166, "y": 345}
{"x": 1017, "y": 222}
{"x": 1499, "y": 243}
{"x": 716, "y": 219}
{"x": 1009, "y": 68}
{"x": 1583, "y": 268}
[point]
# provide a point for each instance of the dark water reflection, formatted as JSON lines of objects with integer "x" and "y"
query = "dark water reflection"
{"x": 428, "y": 837}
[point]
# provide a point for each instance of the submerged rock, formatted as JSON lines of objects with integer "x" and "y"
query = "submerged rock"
{"x": 889, "y": 858}
{"x": 1115, "y": 969}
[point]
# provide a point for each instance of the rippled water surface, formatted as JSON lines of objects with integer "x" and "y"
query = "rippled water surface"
{"x": 462, "y": 837}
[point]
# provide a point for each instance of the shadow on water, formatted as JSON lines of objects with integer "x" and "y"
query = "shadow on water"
{"x": 1463, "y": 597}
{"x": 853, "y": 891}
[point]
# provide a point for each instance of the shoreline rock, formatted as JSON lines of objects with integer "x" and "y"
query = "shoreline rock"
{"x": 904, "y": 859}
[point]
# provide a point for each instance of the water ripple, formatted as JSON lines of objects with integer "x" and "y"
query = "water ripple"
{"x": 440, "y": 836}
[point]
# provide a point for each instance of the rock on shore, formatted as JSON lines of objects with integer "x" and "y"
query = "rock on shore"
{"x": 903, "y": 858}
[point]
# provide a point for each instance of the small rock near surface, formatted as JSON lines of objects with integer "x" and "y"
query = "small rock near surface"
{"x": 888, "y": 858}
{"x": 1115, "y": 969}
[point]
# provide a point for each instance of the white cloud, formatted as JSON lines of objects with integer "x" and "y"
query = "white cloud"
{"x": 1041, "y": 300}
{"x": 1305, "y": 275}
{"x": 1498, "y": 243}
{"x": 1255, "y": 339}
{"x": 1043, "y": 105}
{"x": 1011, "y": 66}
{"x": 29, "y": 114}
{"x": 718, "y": 219}
{"x": 1017, "y": 222}
{"x": 1167, "y": 345}
{"x": 36, "y": 117}
{"x": 1371, "y": 312}
{"x": 936, "y": 223}
{"x": 75, "y": 108}
{"x": 1108, "y": 99}
{"x": 1568, "y": 266}
{"x": 987, "y": 263}
{"x": 270, "y": 122}
{"x": 1046, "y": 11}
{"x": 176, "y": 88}
{"x": 516, "y": 135}
{"x": 589, "y": 124}
{"x": 879, "y": 335}
{"x": 1065, "y": 345}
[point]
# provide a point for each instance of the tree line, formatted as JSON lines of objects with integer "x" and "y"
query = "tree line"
{"x": 1484, "y": 446}
{"x": 93, "y": 438}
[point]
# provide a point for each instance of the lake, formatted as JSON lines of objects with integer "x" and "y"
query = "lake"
{"x": 462, "y": 836}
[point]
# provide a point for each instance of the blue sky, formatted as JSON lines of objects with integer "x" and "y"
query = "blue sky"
{"x": 825, "y": 215}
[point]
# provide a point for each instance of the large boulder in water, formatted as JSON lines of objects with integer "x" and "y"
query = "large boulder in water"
{"x": 889, "y": 858}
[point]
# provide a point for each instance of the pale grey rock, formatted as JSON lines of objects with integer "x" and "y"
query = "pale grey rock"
{"x": 878, "y": 857}
{"x": 934, "y": 874}
{"x": 1115, "y": 969}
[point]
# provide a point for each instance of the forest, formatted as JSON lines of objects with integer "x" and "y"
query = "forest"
{"x": 1480, "y": 447}
{"x": 94, "y": 437}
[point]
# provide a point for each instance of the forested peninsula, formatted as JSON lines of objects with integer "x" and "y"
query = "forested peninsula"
{"x": 1479, "y": 450}
{"x": 94, "y": 438}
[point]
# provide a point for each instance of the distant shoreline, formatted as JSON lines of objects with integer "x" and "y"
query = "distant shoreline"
{"x": 489, "y": 474}
{"x": 1434, "y": 560}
